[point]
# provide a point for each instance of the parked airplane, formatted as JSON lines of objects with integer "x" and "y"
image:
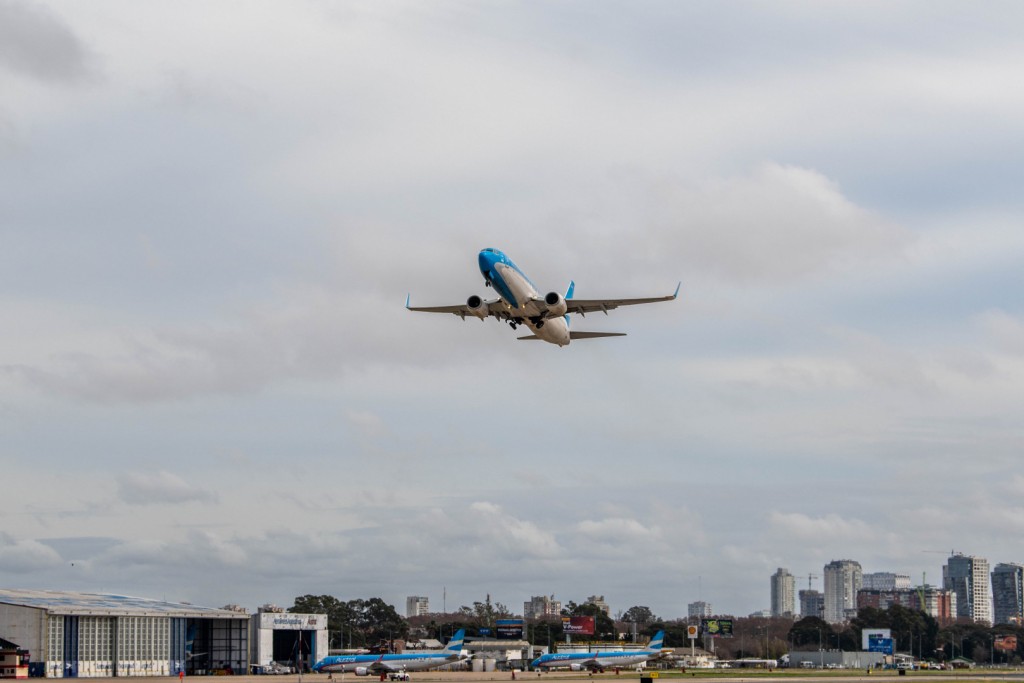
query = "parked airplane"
{"x": 365, "y": 665}
{"x": 520, "y": 303}
{"x": 599, "y": 661}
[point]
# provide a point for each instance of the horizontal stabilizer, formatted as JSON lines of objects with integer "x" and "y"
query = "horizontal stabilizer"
{"x": 582, "y": 335}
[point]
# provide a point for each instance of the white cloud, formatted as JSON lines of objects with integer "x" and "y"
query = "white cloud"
{"x": 25, "y": 556}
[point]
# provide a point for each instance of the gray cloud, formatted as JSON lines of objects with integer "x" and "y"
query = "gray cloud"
{"x": 149, "y": 488}
{"x": 35, "y": 42}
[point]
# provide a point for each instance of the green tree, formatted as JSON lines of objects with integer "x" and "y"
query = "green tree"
{"x": 810, "y": 631}
{"x": 339, "y": 614}
{"x": 639, "y": 615}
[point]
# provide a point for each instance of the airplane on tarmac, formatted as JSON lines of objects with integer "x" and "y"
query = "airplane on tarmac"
{"x": 599, "y": 661}
{"x": 366, "y": 665}
{"x": 520, "y": 303}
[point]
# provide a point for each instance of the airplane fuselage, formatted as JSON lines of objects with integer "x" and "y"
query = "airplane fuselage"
{"x": 595, "y": 660}
{"x": 402, "y": 662}
{"x": 521, "y": 298}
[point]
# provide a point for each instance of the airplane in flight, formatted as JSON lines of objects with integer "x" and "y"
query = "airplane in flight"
{"x": 376, "y": 665}
{"x": 520, "y": 303}
{"x": 599, "y": 661}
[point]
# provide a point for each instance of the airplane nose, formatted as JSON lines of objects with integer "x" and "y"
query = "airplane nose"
{"x": 486, "y": 260}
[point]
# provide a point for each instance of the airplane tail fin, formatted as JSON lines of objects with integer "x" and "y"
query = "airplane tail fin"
{"x": 454, "y": 646}
{"x": 656, "y": 641}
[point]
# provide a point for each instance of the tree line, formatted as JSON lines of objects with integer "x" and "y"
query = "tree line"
{"x": 373, "y": 624}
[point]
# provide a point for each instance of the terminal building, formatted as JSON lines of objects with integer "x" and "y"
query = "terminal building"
{"x": 90, "y": 635}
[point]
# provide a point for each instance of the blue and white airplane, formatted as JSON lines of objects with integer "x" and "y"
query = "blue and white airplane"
{"x": 520, "y": 303}
{"x": 599, "y": 661}
{"x": 366, "y": 665}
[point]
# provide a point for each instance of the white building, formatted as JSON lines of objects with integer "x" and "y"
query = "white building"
{"x": 541, "y": 606}
{"x": 783, "y": 589}
{"x": 89, "y": 635}
{"x": 417, "y": 606}
{"x": 968, "y": 577}
{"x": 288, "y": 638}
{"x": 698, "y": 609}
{"x": 885, "y": 581}
{"x": 842, "y": 581}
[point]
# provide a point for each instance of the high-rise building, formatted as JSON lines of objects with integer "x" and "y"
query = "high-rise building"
{"x": 416, "y": 605}
{"x": 541, "y": 606}
{"x": 842, "y": 581}
{"x": 968, "y": 577}
{"x": 783, "y": 587}
{"x": 885, "y": 581}
{"x": 699, "y": 609}
{"x": 935, "y": 602}
{"x": 1008, "y": 593}
{"x": 812, "y": 603}
{"x": 601, "y": 604}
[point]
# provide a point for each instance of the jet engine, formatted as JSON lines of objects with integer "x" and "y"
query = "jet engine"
{"x": 362, "y": 671}
{"x": 477, "y": 307}
{"x": 556, "y": 304}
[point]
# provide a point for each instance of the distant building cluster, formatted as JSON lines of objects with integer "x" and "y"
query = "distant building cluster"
{"x": 969, "y": 592}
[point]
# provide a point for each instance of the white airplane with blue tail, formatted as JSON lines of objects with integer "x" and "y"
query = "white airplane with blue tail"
{"x": 376, "y": 665}
{"x": 520, "y": 303}
{"x": 599, "y": 661}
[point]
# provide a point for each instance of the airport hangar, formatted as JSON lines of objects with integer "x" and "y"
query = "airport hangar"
{"x": 98, "y": 635}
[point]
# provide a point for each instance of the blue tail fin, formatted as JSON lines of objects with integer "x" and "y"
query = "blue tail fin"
{"x": 455, "y": 644}
{"x": 656, "y": 641}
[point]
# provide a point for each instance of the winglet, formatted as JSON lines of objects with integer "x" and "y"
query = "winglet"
{"x": 408, "y": 295}
{"x": 678, "y": 285}
{"x": 568, "y": 292}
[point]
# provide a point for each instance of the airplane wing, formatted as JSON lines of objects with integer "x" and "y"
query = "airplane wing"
{"x": 494, "y": 308}
{"x": 584, "y": 306}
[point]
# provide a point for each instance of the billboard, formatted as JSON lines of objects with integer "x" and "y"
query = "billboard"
{"x": 880, "y": 644}
{"x": 716, "y": 628}
{"x": 583, "y": 626}
{"x": 1005, "y": 643}
{"x": 867, "y": 634}
{"x": 510, "y": 629}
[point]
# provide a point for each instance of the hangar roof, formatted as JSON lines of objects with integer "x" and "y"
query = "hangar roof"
{"x": 63, "y": 602}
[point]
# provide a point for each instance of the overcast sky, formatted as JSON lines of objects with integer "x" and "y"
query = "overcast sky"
{"x": 211, "y": 215}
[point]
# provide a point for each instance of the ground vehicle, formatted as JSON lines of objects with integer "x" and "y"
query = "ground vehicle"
{"x": 398, "y": 676}
{"x": 906, "y": 666}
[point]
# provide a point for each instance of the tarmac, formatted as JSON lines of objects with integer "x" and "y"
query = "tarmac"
{"x": 708, "y": 675}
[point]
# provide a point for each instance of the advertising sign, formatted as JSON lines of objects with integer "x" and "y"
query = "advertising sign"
{"x": 583, "y": 626}
{"x": 288, "y": 621}
{"x": 1006, "y": 643}
{"x": 717, "y": 628}
{"x": 510, "y": 629}
{"x": 867, "y": 634}
{"x": 880, "y": 644}
{"x": 691, "y": 632}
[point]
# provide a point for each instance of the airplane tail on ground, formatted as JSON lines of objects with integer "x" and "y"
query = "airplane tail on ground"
{"x": 454, "y": 646}
{"x": 656, "y": 641}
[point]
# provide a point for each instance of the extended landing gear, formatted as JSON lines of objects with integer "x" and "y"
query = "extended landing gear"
{"x": 538, "y": 322}
{"x": 515, "y": 322}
